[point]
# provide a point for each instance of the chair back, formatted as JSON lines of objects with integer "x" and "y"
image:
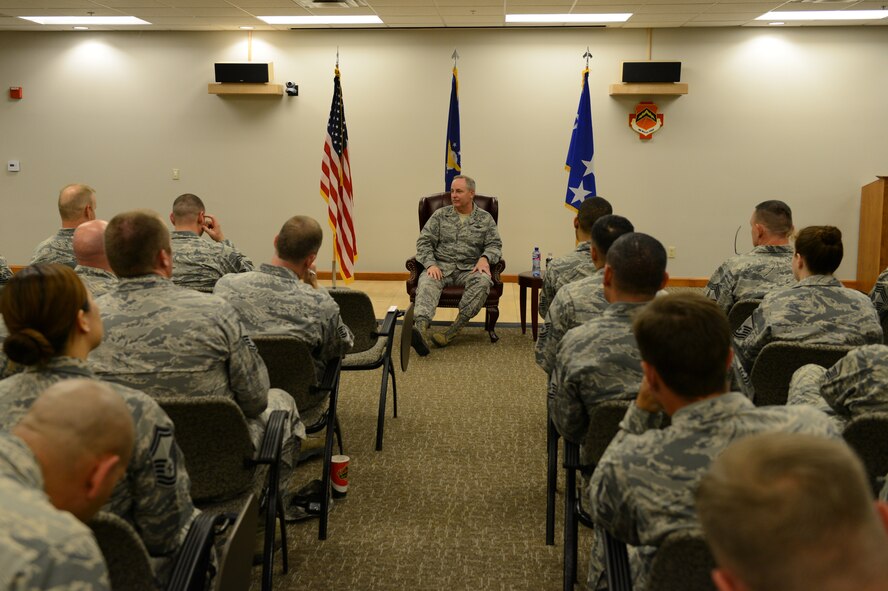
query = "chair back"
{"x": 213, "y": 435}
{"x": 741, "y": 311}
{"x": 683, "y": 563}
{"x": 128, "y": 563}
{"x": 777, "y": 361}
{"x": 604, "y": 423}
{"x": 884, "y": 323}
{"x": 291, "y": 368}
{"x": 356, "y": 311}
{"x": 431, "y": 203}
{"x": 236, "y": 564}
{"x": 866, "y": 434}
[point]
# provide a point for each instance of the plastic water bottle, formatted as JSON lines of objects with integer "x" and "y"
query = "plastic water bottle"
{"x": 535, "y": 269}
{"x": 549, "y": 258}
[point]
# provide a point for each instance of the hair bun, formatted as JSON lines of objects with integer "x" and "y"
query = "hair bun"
{"x": 28, "y": 347}
{"x": 831, "y": 235}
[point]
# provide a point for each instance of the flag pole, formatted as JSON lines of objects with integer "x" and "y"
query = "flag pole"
{"x": 333, "y": 262}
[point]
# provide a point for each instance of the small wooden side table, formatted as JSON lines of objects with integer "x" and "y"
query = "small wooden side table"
{"x": 525, "y": 280}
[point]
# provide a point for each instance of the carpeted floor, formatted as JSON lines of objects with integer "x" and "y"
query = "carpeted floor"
{"x": 456, "y": 500}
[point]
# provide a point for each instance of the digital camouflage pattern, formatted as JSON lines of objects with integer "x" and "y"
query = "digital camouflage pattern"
{"x": 816, "y": 310}
{"x": 5, "y": 272}
{"x": 97, "y": 281}
{"x": 166, "y": 340}
{"x": 455, "y": 246}
{"x": 879, "y": 295}
{"x": 56, "y": 249}
{"x": 41, "y": 548}
{"x": 563, "y": 270}
{"x": 643, "y": 487}
{"x": 596, "y": 361}
{"x": 573, "y": 305}
{"x": 153, "y": 495}
{"x": 751, "y": 275}
{"x": 856, "y": 385}
{"x": 274, "y": 300}
{"x": 198, "y": 264}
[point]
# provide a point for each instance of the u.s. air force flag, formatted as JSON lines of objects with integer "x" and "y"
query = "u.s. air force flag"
{"x": 581, "y": 182}
{"x": 452, "y": 157}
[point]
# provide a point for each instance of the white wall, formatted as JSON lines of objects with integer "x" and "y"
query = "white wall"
{"x": 795, "y": 114}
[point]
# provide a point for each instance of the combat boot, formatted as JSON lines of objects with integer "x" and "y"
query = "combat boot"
{"x": 420, "y": 337}
{"x": 442, "y": 339}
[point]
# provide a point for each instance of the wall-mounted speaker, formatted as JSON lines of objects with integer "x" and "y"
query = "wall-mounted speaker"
{"x": 644, "y": 72}
{"x": 253, "y": 72}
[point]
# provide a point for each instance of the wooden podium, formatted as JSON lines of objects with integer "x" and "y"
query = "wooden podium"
{"x": 872, "y": 248}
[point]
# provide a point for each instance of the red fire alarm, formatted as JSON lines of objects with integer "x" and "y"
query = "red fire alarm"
{"x": 15, "y": 92}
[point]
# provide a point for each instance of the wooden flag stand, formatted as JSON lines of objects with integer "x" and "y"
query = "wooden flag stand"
{"x": 872, "y": 248}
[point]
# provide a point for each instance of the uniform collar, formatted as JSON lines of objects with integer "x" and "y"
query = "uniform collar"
{"x": 278, "y": 271}
{"x": 17, "y": 462}
{"x": 584, "y": 246}
{"x": 141, "y": 282}
{"x": 64, "y": 365}
{"x": 826, "y": 280}
{"x": 623, "y": 308}
{"x": 184, "y": 235}
{"x": 712, "y": 410}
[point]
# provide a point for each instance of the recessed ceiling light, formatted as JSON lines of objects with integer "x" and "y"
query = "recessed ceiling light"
{"x": 80, "y": 28}
{"x": 824, "y": 15}
{"x": 777, "y": 23}
{"x": 247, "y": 28}
{"x": 367, "y": 19}
{"x": 85, "y": 20}
{"x": 618, "y": 17}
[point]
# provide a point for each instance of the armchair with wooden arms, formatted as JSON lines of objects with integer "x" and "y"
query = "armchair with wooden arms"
{"x": 451, "y": 295}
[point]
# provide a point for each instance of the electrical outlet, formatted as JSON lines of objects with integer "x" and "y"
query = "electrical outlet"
{"x": 175, "y": 174}
{"x": 671, "y": 252}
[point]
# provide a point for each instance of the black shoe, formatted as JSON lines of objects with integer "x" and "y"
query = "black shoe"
{"x": 306, "y": 502}
{"x": 419, "y": 344}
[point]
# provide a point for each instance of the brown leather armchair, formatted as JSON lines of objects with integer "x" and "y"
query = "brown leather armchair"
{"x": 451, "y": 295}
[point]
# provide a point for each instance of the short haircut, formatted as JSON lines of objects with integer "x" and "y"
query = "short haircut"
{"x": 187, "y": 207}
{"x": 470, "y": 182}
{"x": 607, "y": 229}
{"x": 133, "y": 240}
{"x": 299, "y": 237}
{"x": 638, "y": 262}
{"x": 687, "y": 339}
{"x": 73, "y": 199}
{"x": 791, "y": 512}
{"x": 39, "y": 307}
{"x": 821, "y": 247}
{"x": 590, "y": 210}
{"x": 776, "y": 216}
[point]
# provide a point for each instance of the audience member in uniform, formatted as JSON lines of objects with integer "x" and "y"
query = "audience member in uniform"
{"x": 197, "y": 263}
{"x": 642, "y": 488}
{"x": 879, "y": 295}
{"x": 77, "y": 204}
{"x": 92, "y": 263}
{"x": 749, "y": 276}
{"x": 856, "y": 385}
{"x": 54, "y": 323}
{"x": 582, "y": 300}
{"x": 58, "y": 466}
{"x": 5, "y": 272}
{"x": 816, "y": 310}
{"x": 794, "y": 513}
{"x": 167, "y": 340}
{"x": 284, "y": 297}
{"x": 599, "y": 360}
{"x": 578, "y": 264}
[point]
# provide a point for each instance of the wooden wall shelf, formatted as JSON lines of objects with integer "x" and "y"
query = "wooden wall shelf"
{"x": 652, "y": 88}
{"x": 244, "y": 88}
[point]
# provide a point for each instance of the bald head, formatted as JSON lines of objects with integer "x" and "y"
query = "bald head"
{"x": 77, "y": 204}
{"x": 82, "y": 434}
{"x": 89, "y": 245}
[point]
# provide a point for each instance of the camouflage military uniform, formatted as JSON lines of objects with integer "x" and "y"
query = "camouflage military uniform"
{"x": 166, "y": 340}
{"x": 564, "y": 270}
{"x": 455, "y": 246}
{"x": 40, "y": 546}
{"x": 274, "y": 300}
{"x": 816, "y": 310}
{"x": 751, "y": 275}
{"x": 856, "y": 385}
{"x": 597, "y": 361}
{"x": 153, "y": 496}
{"x": 573, "y": 305}
{"x": 879, "y": 295}
{"x": 643, "y": 487}
{"x": 5, "y": 272}
{"x": 97, "y": 281}
{"x": 56, "y": 249}
{"x": 199, "y": 263}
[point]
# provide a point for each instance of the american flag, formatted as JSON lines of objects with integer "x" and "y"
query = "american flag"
{"x": 336, "y": 186}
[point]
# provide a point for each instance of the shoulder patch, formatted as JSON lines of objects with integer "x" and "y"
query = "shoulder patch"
{"x": 163, "y": 456}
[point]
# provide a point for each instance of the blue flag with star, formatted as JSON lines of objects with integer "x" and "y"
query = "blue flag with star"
{"x": 581, "y": 182}
{"x": 452, "y": 156}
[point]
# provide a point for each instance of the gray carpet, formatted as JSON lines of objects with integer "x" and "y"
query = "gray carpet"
{"x": 456, "y": 500}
